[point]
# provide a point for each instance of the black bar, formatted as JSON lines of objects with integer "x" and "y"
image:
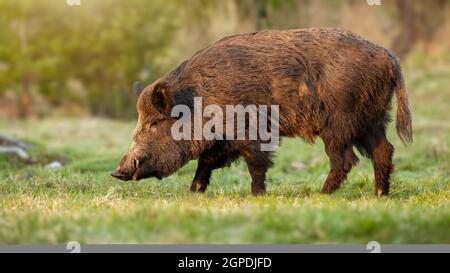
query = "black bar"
{"x": 208, "y": 262}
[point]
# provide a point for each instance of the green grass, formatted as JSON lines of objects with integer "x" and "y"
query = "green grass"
{"x": 82, "y": 202}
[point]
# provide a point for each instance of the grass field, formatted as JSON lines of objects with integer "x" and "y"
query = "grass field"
{"x": 82, "y": 202}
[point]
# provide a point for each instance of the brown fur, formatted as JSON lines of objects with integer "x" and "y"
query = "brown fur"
{"x": 328, "y": 83}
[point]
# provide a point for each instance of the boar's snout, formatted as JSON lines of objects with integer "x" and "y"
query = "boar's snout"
{"x": 129, "y": 168}
{"x": 120, "y": 175}
{"x": 134, "y": 166}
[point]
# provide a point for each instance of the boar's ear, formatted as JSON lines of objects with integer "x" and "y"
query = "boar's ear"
{"x": 138, "y": 88}
{"x": 163, "y": 100}
{"x": 160, "y": 97}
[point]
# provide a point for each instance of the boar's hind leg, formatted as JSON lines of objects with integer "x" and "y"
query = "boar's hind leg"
{"x": 342, "y": 158}
{"x": 378, "y": 148}
{"x": 258, "y": 163}
{"x": 208, "y": 161}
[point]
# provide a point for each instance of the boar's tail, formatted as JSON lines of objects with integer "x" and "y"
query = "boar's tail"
{"x": 404, "y": 118}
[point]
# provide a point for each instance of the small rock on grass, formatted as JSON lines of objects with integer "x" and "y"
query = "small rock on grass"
{"x": 298, "y": 166}
{"x": 54, "y": 165}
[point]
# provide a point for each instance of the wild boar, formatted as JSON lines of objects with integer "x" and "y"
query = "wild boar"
{"x": 328, "y": 83}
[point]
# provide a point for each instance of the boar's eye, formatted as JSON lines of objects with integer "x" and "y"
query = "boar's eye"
{"x": 152, "y": 126}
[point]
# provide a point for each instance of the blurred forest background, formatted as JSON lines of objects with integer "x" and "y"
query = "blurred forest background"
{"x": 81, "y": 60}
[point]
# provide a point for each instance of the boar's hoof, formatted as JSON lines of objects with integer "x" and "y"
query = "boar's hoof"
{"x": 198, "y": 187}
{"x": 328, "y": 190}
{"x": 382, "y": 192}
{"x": 258, "y": 192}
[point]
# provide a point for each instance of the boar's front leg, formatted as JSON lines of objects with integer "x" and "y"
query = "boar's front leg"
{"x": 202, "y": 176}
{"x": 258, "y": 163}
{"x": 219, "y": 156}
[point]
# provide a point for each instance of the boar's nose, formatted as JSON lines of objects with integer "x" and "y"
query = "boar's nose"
{"x": 120, "y": 175}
